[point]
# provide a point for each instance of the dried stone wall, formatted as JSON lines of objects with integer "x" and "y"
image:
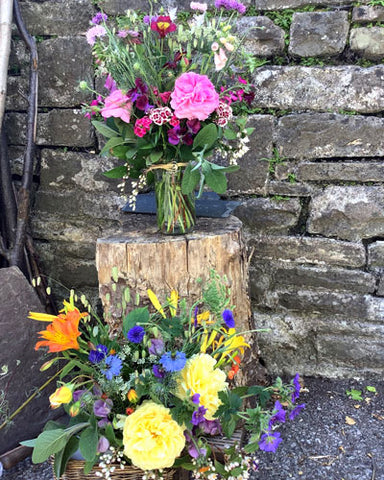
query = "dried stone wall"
{"x": 311, "y": 186}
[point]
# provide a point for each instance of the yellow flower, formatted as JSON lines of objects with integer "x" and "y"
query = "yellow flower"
{"x": 151, "y": 438}
{"x": 200, "y": 376}
{"x": 235, "y": 342}
{"x": 132, "y": 396}
{"x": 172, "y": 301}
{"x": 60, "y": 396}
{"x": 155, "y": 302}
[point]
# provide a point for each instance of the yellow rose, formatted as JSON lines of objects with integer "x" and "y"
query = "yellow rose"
{"x": 200, "y": 376}
{"x": 60, "y": 396}
{"x": 151, "y": 438}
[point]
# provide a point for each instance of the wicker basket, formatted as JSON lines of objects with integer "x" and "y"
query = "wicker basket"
{"x": 75, "y": 471}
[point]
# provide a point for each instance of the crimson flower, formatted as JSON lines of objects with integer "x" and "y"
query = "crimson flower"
{"x": 163, "y": 25}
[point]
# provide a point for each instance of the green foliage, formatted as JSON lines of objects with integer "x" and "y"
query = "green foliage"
{"x": 355, "y": 395}
{"x": 292, "y": 178}
{"x": 276, "y": 159}
{"x": 139, "y": 316}
{"x": 374, "y": 3}
{"x": 371, "y": 389}
{"x": 253, "y": 62}
{"x": 228, "y": 411}
{"x": 215, "y": 293}
{"x": 311, "y": 62}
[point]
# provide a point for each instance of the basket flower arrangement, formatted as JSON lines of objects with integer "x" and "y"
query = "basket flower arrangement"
{"x": 154, "y": 396}
{"x": 177, "y": 88}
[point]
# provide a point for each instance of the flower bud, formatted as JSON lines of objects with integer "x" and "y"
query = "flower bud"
{"x": 83, "y": 85}
{"x": 75, "y": 409}
{"x": 61, "y": 396}
{"x": 132, "y": 396}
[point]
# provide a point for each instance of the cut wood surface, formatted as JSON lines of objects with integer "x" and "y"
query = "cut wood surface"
{"x": 146, "y": 259}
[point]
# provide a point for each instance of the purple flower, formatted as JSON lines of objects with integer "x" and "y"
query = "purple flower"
{"x": 195, "y": 316}
{"x": 115, "y": 365}
{"x": 296, "y": 411}
{"x": 148, "y": 20}
{"x": 196, "y": 398}
{"x": 270, "y": 441}
{"x": 279, "y": 415}
{"x": 110, "y": 84}
{"x": 96, "y": 356}
{"x": 136, "y": 334}
{"x": 102, "y": 408}
{"x": 95, "y": 32}
{"x": 158, "y": 371}
{"x": 211, "y": 427}
{"x": 173, "y": 135}
{"x": 77, "y": 394}
{"x": 195, "y": 453}
{"x": 157, "y": 346}
{"x": 173, "y": 362}
{"x": 231, "y": 5}
{"x": 228, "y": 318}
{"x": 198, "y": 415}
{"x": 103, "y": 422}
{"x": 296, "y": 384}
{"x": 193, "y": 125}
{"x": 103, "y": 445}
{"x": 99, "y": 17}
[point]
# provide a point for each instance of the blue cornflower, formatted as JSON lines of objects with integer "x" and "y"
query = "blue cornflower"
{"x": 270, "y": 441}
{"x": 198, "y": 415}
{"x": 279, "y": 415}
{"x": 96, "y": 356}
{"x": 228, "y": 318}
{"x": 173, "y": 362}
{"x": 115, "y": 365}
{"x": 296, "y": 384}
{"x": 296, "y": 411}
{"x": 136, "y": 334}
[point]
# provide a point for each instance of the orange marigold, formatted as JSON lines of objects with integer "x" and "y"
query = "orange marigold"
{"x": 62, "y": 333}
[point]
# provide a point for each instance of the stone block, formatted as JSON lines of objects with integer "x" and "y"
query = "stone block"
{"x": 376, "y": 254}
{"x": 262, "y": 37}
{"x": 348, "y": 213}
{"x": 76, "y": 170}
{"x": 311, "y": 250}
{"x": 17, "y": 93}
{"x": 288, "y": 189}
{"x": 266, "y": 215}
{"x": 17, "y": 354}
{"x": 315, "y": 34}
{"x": 324, "y": 135}
{"x": 56, "y": 128}
{"x": 368, "y": 13}
{"x": 338, "y": 171}
{"x": 380, "y": 288}
{"x": 326, "y": 303}
{"x": 63, "y": 63}
{"x": 75, "y": 203}
{"x": 57, "y": 17}
{"x": 18, "y": 58}
{"x": 254, "y": 168}
{"x": 320, "y": 89}
{"x": 323, "y": 277}
{"x": 368, "y": 42}
{"x": 283, "y": 4}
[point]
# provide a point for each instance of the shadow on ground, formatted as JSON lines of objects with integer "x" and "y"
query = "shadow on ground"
{"x": 321, "y": 443}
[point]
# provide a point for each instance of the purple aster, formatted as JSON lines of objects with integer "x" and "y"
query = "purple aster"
{"x": 173, "y": 362}
{"x": 198, "y": 415}
{"x": 102, "y": 408}
{"x": 158, "y": 371}
{"x": 115, "y": 365}
{"x": 196, "y": 398}
{"x": 157, "y": 346}
{"x": 228, "y": 318}
{"x": 96, "y": 356}
{"x": 279, "y": 415}
{"x": 296, "y": 384}
{"x": 136, "y": 334}
{"x": 99, "y": 17}
{"x": 270, "y": 441}
{"x": 296, "y": 411}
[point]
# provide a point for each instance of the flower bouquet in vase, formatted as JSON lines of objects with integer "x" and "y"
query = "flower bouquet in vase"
{"x": 153, "y": 397}
{"x": 176, "y": 90}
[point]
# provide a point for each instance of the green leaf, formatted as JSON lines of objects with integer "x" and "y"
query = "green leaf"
{"x": 29, "y": 443}
{"x": 137, "y": 316}
{"x": 229, "y": 168}
{"x": 103, "y": 129}
{"x": 355, "y": 394}
{"x": 117, "y": 172}
{"x": 251, "y": 447}
{"x": 262, "y": 393}
{"x": 230, "y": 134}
{"x": 206, "y": 137}
{"x": 217, "y": 181}
{"x": 220, "y": 469}
{"x": 371, "y": 389}
{"x": 88, "y": 443}
{"x": 112, "y": 142}
{"x": 88, "y": 466}
{"x": 250, "y": 130}
{"x": 110, "y": 434}
{"x": 190, "y": 180}
{"x": 62, "y": 458}
{"x": 155, "y": 156}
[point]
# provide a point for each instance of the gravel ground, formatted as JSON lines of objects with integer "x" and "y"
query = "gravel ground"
{"x": 319, "y": 444}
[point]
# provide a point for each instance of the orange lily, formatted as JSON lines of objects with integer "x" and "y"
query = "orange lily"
{"x": 62, "y": 333}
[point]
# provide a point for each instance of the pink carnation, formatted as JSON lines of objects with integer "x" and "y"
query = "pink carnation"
{"x": 194, "y": 96}
{"x": 94, "y": 32}
{"x": 117, "y": 105}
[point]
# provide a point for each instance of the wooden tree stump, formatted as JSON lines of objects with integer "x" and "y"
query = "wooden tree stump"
{"x": 141, "y": 258}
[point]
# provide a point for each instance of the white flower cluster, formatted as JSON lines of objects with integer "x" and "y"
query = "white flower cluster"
{"x": 109, "y": 461}
{"x": 136, "y": 187}
{"x": 149, "y": 475}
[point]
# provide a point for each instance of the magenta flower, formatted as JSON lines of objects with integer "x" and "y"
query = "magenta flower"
{"x": 117, "y": 105}
{"x": 194, "y": 97}
{"x": 163, "y": 25}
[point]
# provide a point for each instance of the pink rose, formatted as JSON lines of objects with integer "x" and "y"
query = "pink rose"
{"x": 194, "y": 96}
{"x": 117, "y": 105}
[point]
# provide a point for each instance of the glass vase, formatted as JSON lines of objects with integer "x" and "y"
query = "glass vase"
{"x": 175, "y": 210}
